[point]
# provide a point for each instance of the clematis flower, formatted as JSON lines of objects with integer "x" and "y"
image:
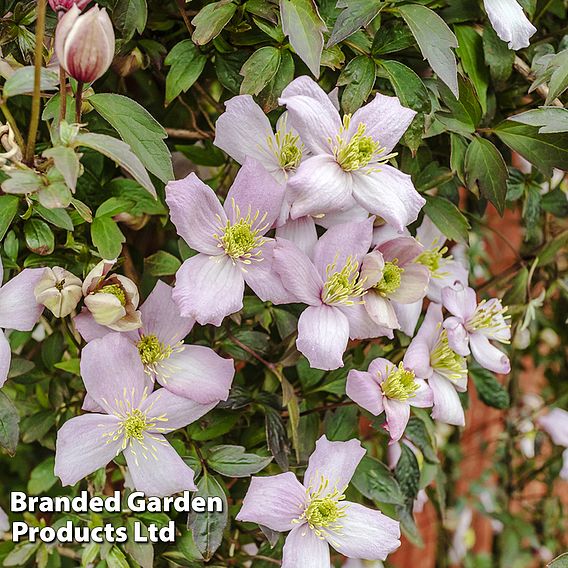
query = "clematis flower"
{"x": 111, "y": 299}
{"x": 390, "y": 389}
{"x": 317, "y": 514}
{"x": 430, "y": 356}
{"x": 510, "y": 23}
{"x": 393, "y": 277}
{"x": 132, "y": 422}
{"x": 191, "y": 371}
{"x": 331, "y": 287}
{"x": 473, "y": 325}
{"x": 349, "y": 156}
{"x": 59, "y": 291}
{"x": 18, "y": 310}
{"x": 230, "y": 241}
{"x": 555, "y": 424}
{"x": 357, "y": 563}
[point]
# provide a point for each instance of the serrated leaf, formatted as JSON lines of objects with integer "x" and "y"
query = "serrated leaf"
{"x": 489, "y": 389}
{"x": 186, "y": 65}
{"x": 559, "y": 80}
{"x": 356, "y": 14}
{"x": 447, "y": 217}
{"x": 259, "y": 69}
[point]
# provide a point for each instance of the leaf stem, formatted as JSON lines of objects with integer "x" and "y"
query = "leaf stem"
{"x": 62, "y": 94}
{"x": 78, "y": 101}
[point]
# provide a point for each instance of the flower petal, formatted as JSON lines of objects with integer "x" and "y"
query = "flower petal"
{"x": 303, "y": 548}
{"x": 88, "y": 328}
{"x": 365, "y": 533}
{"x": 413, "y": 283}
{"x": 487, "y": 355}
{"x": 381, "y": 310}
{"x": 5, "y": 356}
{"x": 447, "y": 404}
{"x": 417, "y": 358}
{"x": 458, "y": 338}
{"x": 361, "y": 325}
{"x": 429, "y": 235}
{"x": 555, "y": 423}
{"x": 274, "y": 502}
{"x": 336, "y": 462}
{"x": 209, "y": 288}
{"x": 196, "y": 213}
{"x": 432, "y": 324}
{"x": 459, "y": 300}
{"x": 390, "y": 194}
{"x": 350, "y": 213}
{"x": 156, "y": 468}
{"x": 510, "y": 23}
{"x": 404, "y": 249}
{"x": 397, "y": 414}
{"x": 198, "y": 373}
{"x": 372, "y": 268}
{"x": 386, "y": 233}
{"x": 18, "y": 307}
{"x": 323, "y": 333}
{"x": 363, "y": 389}
{"x": 408, "y": 316}
{"x": 423, "y": 397}
{"x": 302, "y": 232}
{"x": 82, "y": 446}
{"x": 450, "y": 273}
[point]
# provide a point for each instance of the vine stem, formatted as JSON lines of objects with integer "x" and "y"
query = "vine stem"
{"x": 78, "y": 101}
{"x": 36, "y": 99}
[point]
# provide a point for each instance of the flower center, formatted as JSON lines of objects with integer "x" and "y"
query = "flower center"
{"x": 433, "y": 260}
{"x": 400, "y": 384}
{"x": 446, "y": 361}
{"x": 152, "y": 351}
{"x": 323, "y": 512}
{"x": 490, "y": 315}
{"x": 135, "y": 424}
{"x": 287, "y": 149}
{"x": 391, "y": 279}
{"x": 60, "y": 285}
{"x": 114, "y": 290}
{"x": 342, "y": 287}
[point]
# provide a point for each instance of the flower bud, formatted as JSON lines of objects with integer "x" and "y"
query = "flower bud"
{"x": 84, "y": 43}
{"x": 112, "y": 300}
{"x": 65, "y": 5}
{"x": 59, "y": 291}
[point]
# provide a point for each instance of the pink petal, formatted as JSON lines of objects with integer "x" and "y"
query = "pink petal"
{"x": 429, "y": 235}
{"x": 363, "y": 389}
{"x": 303, "y": 548}
{"x": 90, "y": 405}
{"x": 87, "y": 327}
{"x": 381, "y": 310}
{"x": 361, "y": 325}
{"x": 397, "y": 417}
{"x": 555, "y": 423}
{"x": 458, "y": 337}
{"x": 372, "y": 269}
{"x": 423, "y": 397}
{"x": 386, "y": 233}
{"x": 18, "y": 307}
{"x": 404, "y": 249}
{"x": 198, "y": 373}
{"x": 432, "y": 325}
{"x": 84, "y": 445}
{"x": 302, "y": 232}
{"x": 274, "y": 502}
{"x": 378, "y": 368}
{"x": 196, "y": 213}
{"x": 323, "y": 333}
{"x": 299, "y": 275}
{"x": 487, "y": 355}
{"x": 451, "y": 272}
{"x": 209, "y": 288}
{"x": 336, "y": 462}
{"x": 413, "y": 284}
{"x": 350, "y": 213}
{"x": 459, "y": 300}
{"x": 5, "y": 356}
{"x": 417, "y": 358}
{"x": 365, "y": 533}
{"x": 447, "y": 405}
{"x": 408, "y": 316}
{"x": 156, "y": 468}
{"x": 564, "y": 471}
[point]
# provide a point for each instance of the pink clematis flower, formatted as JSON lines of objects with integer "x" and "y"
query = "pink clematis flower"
{"x": 330, "y": 286}
{"x": 191, "y": 371}
{"x": 389, "y": 389}
{"x": 555, "y": 423}
{"x": 131, "y": 422}
{"x": 472, "y": 325}
{"x": 349, "y": 156}
{"x": 18, "y": 310}
{"x": 430, "y": 356}
{"x": 316, "y": 513}
{"x": 393, "y": 277}
{"x": 230, "y": 241}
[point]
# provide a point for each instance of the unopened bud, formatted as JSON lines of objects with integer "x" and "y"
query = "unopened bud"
{"x": 61, "y": 6}
{"x": 125, "y": 65}
{"x": 84, "y": 43}
{"x": 59, "y": 291}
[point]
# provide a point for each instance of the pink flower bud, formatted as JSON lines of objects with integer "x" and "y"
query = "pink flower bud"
{"x": 66, "y": 5}
{"x": 84, "y": 43}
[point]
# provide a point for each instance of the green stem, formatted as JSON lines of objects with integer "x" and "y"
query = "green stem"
{"x": 78, "y": 101}
{"x": 62, "y": 94}
{"x": 13, "y": 125}
{"x": 36, "y": 99}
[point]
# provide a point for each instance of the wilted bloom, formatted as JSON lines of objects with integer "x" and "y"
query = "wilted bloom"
{"x": 18, "y": 310}
{"x": 510, "y": 23}
{"x": 390, "y": 389}
{"x": 132, "y": 422}
{"x": 331, "y": 287}
{"x": 317, "y": 513}
{"x": 191, "y": 371}
{"x": 230, "y": 241}
{"x": 555, "y": 423}
{"x": 349, "y": 156}
{"x": 59, "y": 291}
{"x": 393, "y": 277}
{"x": 84, "y": 43}
{"x": 111, "y": 299}
{"x": 65, "y": 5}
{"x": 430, "y": 356}
{"x": 472, "y": 325}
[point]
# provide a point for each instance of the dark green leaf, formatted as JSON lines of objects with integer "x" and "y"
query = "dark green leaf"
{"x": 130, "y": 16}
{"x": 8, "y": 210}
{"x": 374, "y": 480}
{"x": 161, "y": 263}
{"x": 356, "y": 14}
{"x": 9, "y": 424}
{"x": 107, "y": 237}
{"x": 233, "y": 461}
{"x": 359, "y": 78}
{"x": 407, "y": 473}
{"x": 39, "y": 237}
{"x": 211, "y": 20}
{"x": 392, "y": 38}
{"x": 187, "y": 64}
{"x": 259, "y": 70}
{"x": 497, "y": 55}
{"x": 42, "y": 478}
{"x": 447, "y": 217}
{"x": 489, "y": 389}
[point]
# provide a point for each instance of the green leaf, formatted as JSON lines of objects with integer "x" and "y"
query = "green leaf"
{"x": 545, "y": 151}
{"x": 114, "y": 206}
{"x": 268, "y": 97}
{"x": 211, "y": 20}
{"x": 407, "y": 473}
{"x": 39, "y": 237}
{"x": 304, "y": 27}
{"x": 9, "y": 424}
{"x": 139, "y": 129}
{"x": 187, "y": 64}
{"x": 419, "y": 435}
{"x": 8, "y": 210}
{"x": 130, "y": 16}
{"x": 161, "y": 263}
{"x": 207, "y": 528}
{"x": 486, "y": 170}
{"x": 559, "y": 562}
{"x": 359, "y": 78}
{"x": 22, "y": 81}
{"x": 107, "y": 237}
{"x": 276, "y": 437}
{"x": 559, "y": 80}
{"x": 58, "y": 217}
{"x": 356, "y": 14}
{"x": 408, "y": 86}
{"x": 66, "y": 162}
{"x": 374, "y": 480}
{"x": 259, "y": 69}
{"x": 550, "y": 120}
{"x": 21, "y": 553}
{"x": 233, "y": 461}
{"x": 489, "y": 389}
{"x": 497, "y": 55}
{"x": 447, "y": 217}
{"x": 116, "y": 558}
{"x": 435, "y": 40}
{"x": 203, "y": 154}
{"x": 42, "y": 478}
{"x": 392, "y": 38}
{"x": 141, "y": 552}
